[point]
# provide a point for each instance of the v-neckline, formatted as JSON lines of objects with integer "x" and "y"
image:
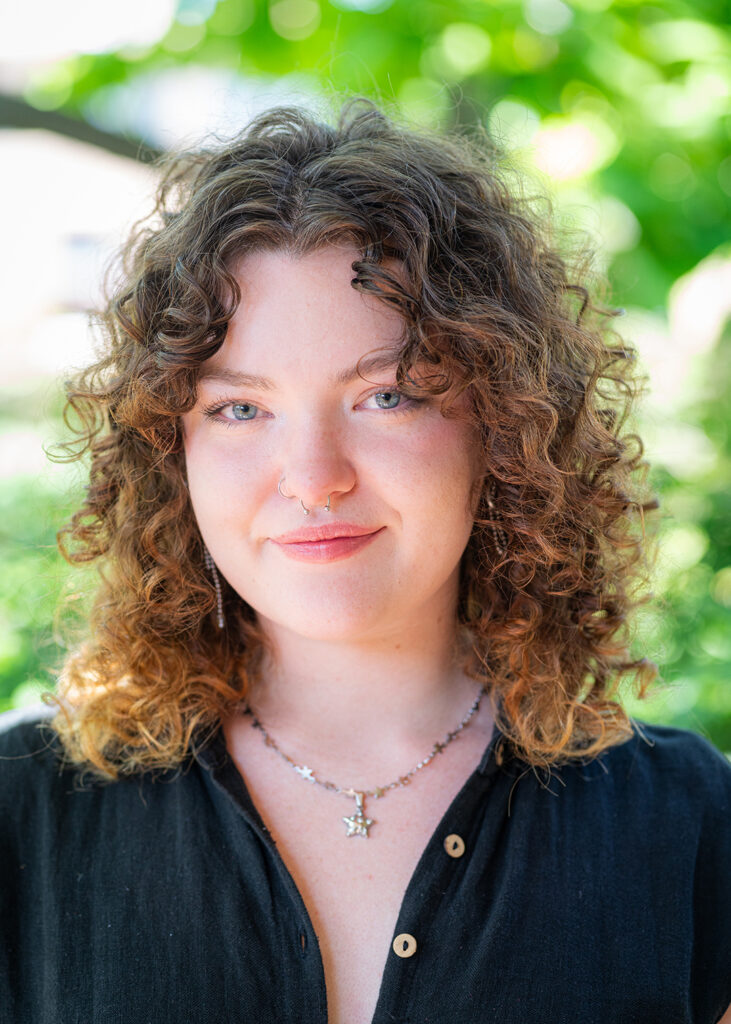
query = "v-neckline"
{"x": 217, "y": 758}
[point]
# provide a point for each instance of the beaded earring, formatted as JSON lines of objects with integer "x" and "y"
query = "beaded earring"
{"x": 211, "y": 566}
{"x": 499, "y": 536}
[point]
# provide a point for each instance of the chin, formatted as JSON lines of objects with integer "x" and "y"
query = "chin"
{"x": 328, "y": 622}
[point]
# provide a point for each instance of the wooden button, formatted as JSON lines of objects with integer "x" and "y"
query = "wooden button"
{"x": 404, "y": 945}
{"x": 454, "y": 845}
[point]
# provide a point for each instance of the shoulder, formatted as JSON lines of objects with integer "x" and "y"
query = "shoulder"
{"x": 670, "y": 760}
{"x": 657, "y": 758}
{"x": 659, "y": 784}
{"x": 664, "y": 795}
{"x": 679, "y": 746}
{"x": 684, "y": 783}
{"x": 47, "y": 802}
{"x": 652, "y": 818}
{"x": 31, "y": 755}
{"x": 32, "y": 777}
{"x": 670, "y": 772}
{"x": 25, "y": 736}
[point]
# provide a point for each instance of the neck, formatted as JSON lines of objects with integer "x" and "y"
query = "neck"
{"x": 360, "y": 701}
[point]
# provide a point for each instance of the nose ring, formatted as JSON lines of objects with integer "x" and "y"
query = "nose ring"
{"x": 304, "y": 507}
{"x": 279, "y": 488}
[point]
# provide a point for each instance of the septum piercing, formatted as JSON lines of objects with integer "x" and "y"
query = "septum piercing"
{"x": 304, "y": 507}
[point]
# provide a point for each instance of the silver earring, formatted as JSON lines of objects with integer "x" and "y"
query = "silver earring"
{"x": 211, "y": 566}
{"x": 499, "y": 536}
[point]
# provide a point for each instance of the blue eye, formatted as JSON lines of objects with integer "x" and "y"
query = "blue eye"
{"x": 387, "y": 399}
{"x": 244, "y": 411}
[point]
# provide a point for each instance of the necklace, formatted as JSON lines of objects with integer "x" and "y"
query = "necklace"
{"x": 357, "y": 824}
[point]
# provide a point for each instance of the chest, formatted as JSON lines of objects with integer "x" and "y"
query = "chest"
{"x": 160, "y": 902}
{"x": 353, "y": 886}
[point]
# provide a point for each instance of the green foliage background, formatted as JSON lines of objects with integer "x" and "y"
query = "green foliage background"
{"x": 647, "y": 83}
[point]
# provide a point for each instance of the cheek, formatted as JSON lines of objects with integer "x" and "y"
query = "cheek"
{"x": 438, "y": 472}
{"x": 205, "y": 473}
{"x": 222, "y": 484}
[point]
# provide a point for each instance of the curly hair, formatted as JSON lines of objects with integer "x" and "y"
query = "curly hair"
{"x": 491, "y": 306}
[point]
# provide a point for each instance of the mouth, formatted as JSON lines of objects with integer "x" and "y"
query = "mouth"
{"x": 326, "y": 543}
{"x": 327, "y": 531}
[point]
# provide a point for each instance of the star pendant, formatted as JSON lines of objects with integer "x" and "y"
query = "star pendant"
{"x": 358, "y": 824}
{"x": 305, "y": 772}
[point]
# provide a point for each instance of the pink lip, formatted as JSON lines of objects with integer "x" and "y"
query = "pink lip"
{"x": 325, "y": 543}
{"x": 327, "y": 531}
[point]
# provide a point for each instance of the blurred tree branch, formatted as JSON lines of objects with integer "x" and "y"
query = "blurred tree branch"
{"x": 16, "y": 113}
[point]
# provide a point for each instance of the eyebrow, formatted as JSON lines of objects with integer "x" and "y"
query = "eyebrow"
{"x": 368, "y": 364}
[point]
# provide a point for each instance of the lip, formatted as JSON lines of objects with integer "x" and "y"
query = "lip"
{"x": 326, "y": 543}
{"x": 328, "y": 531}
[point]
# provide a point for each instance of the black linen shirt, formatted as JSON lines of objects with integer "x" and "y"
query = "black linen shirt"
{"x": 599, "y": 895}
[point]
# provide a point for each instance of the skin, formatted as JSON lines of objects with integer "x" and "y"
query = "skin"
{"x": 361, "y": 680}
{"x": 388, "y": 611}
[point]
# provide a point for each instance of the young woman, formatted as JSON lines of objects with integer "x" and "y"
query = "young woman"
{"x": 344, "y": 741}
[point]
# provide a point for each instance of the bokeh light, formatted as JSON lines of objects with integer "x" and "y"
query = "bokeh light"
{"x": 618, "y": 109}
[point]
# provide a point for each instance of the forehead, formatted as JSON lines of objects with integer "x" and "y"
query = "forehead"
{"x": 307, "y": 304}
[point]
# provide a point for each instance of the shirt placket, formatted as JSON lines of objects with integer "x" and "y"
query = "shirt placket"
{"x": 420, "y": 943}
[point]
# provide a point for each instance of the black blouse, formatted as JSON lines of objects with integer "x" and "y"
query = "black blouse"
{"x": 601, "y": 894}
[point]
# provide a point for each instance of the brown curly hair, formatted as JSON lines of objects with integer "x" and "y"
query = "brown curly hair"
{"x": 490, "y": 305}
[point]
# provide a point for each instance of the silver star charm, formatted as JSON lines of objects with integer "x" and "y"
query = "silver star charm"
{"x": 305, "y": 772}
{"x": 357, "y": 823}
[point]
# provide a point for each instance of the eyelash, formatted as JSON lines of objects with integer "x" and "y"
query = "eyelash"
{"x": 212, "y": 411}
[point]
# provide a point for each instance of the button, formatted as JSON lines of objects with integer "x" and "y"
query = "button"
{"x": 404, "y": 945}
{"x": 454, "y": 845}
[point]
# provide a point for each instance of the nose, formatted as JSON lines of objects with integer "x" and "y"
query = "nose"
{"x": 315, "y": 466}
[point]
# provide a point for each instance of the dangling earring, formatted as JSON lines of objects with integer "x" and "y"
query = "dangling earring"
{"x": 499, "y": 536}
{"x": 211, "y": 566}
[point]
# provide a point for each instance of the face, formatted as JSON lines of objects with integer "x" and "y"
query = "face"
{"x": 281, "y": 403}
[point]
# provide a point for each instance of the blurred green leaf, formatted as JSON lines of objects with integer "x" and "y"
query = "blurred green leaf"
{"x": 623, "y": 104}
